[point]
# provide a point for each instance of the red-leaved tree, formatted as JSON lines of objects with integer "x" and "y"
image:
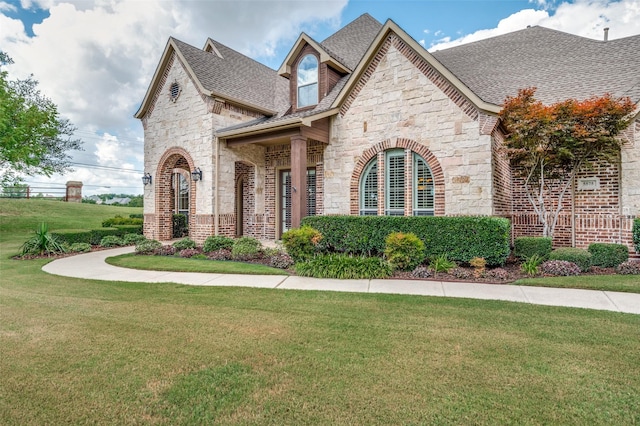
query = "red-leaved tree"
{"x": 548, "y": 144}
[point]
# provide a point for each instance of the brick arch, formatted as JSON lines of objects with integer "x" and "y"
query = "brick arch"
{"x": 245, "y": 176}
{"x": 173, "y": 158}
{"x": 372, "y": 152}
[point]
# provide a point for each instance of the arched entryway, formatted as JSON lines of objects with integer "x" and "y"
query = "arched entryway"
{"x": 175, "y": 193}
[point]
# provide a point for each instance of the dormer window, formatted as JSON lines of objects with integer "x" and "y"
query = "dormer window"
{"x": 308, "y": 81}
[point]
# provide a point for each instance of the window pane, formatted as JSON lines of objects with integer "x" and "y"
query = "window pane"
{"x": 307, "y": 81}
{"x": 395, "y": 180}
{"x": 423, "y": 189}
{"x": 369, "y": 190}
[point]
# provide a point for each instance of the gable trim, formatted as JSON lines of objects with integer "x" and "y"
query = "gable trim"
{"x": 390, "y": 34}
{"x": 325, "y": 57}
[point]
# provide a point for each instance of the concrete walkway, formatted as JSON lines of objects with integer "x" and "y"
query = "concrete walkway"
{"x": 92, "y": 266}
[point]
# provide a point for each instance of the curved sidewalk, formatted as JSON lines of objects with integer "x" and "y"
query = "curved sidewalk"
{"x": 93, "y": 266}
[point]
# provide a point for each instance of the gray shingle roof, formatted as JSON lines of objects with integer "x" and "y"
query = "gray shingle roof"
{"x": 351, "y": 42}
{"x": 560, "y": 65}
{"x": 237, "y": 76}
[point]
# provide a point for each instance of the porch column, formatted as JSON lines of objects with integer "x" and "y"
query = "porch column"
{"x": 298, "y": 179}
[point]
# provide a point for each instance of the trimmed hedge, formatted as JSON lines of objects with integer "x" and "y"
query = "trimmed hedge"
{"x": 461, "y": 238}
{"x": 608, "y": 255}
{"x": 525, "y": 247}
{"x": 580, "y": 257}
{"x": 119, "y": 220}
{"x": 636, "y": 234}
{"x": 89, "y": 236}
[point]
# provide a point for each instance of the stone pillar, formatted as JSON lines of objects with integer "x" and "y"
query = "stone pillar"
{"x": 74, "y": 192}
{"x": 298, "y": 179}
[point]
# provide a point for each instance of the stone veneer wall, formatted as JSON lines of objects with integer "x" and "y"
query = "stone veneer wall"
{"x": 401, "y": 97}
{"x": 187, "y": 123}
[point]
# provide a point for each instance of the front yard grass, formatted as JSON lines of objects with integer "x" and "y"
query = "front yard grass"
{"x": 178, "y": 264}
{"x": 623, "y": 283}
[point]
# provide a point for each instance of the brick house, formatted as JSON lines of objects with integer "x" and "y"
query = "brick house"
{"x": 367, "y": 122}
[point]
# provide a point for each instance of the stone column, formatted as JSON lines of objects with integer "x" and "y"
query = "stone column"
{"x": 74, "y": 192}
{"x": 298, "y": 179}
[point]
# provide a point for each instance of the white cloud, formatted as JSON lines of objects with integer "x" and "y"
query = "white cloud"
{"x": 586, "y": 18}
{"x": 4, "y": 6}
{"x": 95, "y": 58}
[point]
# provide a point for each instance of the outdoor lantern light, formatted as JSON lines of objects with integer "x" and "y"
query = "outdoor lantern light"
{"x": 196, "y": 174}
{"x": 146, "y": 179}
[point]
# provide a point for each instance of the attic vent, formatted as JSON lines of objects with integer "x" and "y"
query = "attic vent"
{"x": 174, "y": 91}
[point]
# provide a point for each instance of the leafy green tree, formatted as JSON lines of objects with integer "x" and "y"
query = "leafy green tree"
{"x": 19, "y": 190}
{"x": 34, "y": 139}
{"x": 548, "y": 144}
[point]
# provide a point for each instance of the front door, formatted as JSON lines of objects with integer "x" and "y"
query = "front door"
{"x": 285, "y": 197}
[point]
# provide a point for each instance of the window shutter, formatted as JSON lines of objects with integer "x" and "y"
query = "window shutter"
{"x": 369, "y": 190}
{"x": 395, "y": 182}
{"x": 423, "y": 189}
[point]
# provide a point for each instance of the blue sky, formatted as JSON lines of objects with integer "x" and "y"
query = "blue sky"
{"x": 95, "y": 58}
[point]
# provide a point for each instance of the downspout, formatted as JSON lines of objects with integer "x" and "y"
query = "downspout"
{"x": 216, "y": 203}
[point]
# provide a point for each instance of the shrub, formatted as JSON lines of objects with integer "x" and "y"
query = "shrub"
{"x": 222, "y": 254}
{"x": 580, "y": 257}
{"x": 281, "y": 260}
{"x": 560, "y": 268}
{"x": 189, "y": 252}
{"x": 129, "y": 229}
{"x": 165, "y": 251}
{"x": 136, "y": 216}
{"x": 180, "y": 227}
{"x": 246, "y": 248}
{"x": 301, "y": 243}
{"x": 636, "y": 234}
{"x": 629, "y": 268}
{"x": 461, "y": 273}
{"x": 463, "y": 238}
{"x": 130, "y": 239}
{"x": 608, "y": 255}
{"x": 344, "y": 266}
{"x": 43, "y": 242}
{"x": 421, "y": 272}
{"x": 525, "y": 247}
{"x": 441, "y": 263}
{"x": 498, "y": 274}
{"x": 185, "y": 243}
{"x": 111, "y": 241}
{"x": 531, "y": 265}
{"x": 119, "y": 220}
{"x": 89, "y": 236}
{"x": 217, "y": 242}
{"x": 478, "y": 264}
{"x": 403, "y": 251}
{"x": 80, "y": 247}
{"x": 147, "y": 246}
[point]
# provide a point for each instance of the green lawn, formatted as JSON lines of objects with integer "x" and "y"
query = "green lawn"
{"x": 624, "y": 283}
{"x": 169, "y": 263}
{"x": 92, "y": 352}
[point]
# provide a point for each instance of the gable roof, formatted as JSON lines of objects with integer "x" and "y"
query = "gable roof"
{"x": 351, "y": 42}
{"x": 219, "y": 71}
{"x": 560, "y": 65}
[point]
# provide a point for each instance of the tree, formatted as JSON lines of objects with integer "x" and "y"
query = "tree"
{"x": 15, "y": 191}
{"x": 34, "y": 139}
{"x": 548, "y": 145}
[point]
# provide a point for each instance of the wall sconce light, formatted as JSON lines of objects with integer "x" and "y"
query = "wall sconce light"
{"x": 146, "y": 179}
{"x": 196, "y": 174}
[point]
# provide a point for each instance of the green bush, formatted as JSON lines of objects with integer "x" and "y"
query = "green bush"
{"x": 525, "y": 247}
{"x": 301, "y": 243}
{"x": 580, "y": 257}
{"x": 608, "y": 255}
{"x": 129, "y": 229}
{"x": 80, "y": 247}
{"x": 217, "y": 242}
{"x": 185, "y": 243}
{"x": 130, "y": 239}
{"x": 136, "y": 216}
{"x": 180, "y": 227}
{"x": 462, "y": 238}
{"x": 404, "y": 251}
{"x": 441, "y": 263}
{"x": 636, "y": 234}
{"x": 72, "y": 236}
{"x": 96, "y": 235}
{"x": 111, "y": 241}
{"x": 344, "y": 266}
{"x": 147, "y": 246}
{"x": 531, "y": 265}
{"x": 43, "y": 242}
{"x": 119, "y": 220}
{"x": 246, "y": 248}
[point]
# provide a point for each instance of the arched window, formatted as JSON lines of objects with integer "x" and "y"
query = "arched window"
{"x": 308, "y": 81}
{"x": 397, "y": 185}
